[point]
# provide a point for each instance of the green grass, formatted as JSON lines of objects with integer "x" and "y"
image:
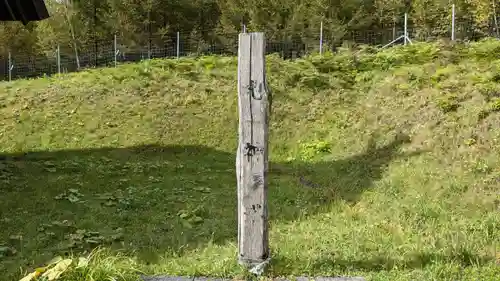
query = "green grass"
{"x": 402, "y": 146}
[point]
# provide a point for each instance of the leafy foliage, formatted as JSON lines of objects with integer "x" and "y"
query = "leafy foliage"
{"x": 87, "y": 25}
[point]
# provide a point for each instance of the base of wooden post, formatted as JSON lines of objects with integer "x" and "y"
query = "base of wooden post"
{"x": 253, "y": 266}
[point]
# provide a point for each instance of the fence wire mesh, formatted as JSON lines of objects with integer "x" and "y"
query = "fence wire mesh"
{"x": 112, "y": 51}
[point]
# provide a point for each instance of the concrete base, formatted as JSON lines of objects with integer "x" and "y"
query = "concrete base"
{"x": 183, "y": 278}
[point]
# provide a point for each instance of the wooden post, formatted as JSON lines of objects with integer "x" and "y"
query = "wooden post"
{"x": 252, "y": 154}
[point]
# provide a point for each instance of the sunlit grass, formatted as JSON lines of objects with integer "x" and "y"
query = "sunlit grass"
{"x": 384, "y": 165}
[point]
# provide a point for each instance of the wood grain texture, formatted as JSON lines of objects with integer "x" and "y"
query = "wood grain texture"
{"x": 251, "y": 171}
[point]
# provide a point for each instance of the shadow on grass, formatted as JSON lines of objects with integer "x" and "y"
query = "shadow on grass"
{"x": 377, "y": 263}
{"x": 155, "y": 199}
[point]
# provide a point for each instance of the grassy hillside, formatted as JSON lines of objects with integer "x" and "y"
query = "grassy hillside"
{"x": 385, "y": 164}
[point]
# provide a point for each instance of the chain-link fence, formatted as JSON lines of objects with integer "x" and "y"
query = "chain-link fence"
{"x": 113, "y": 51}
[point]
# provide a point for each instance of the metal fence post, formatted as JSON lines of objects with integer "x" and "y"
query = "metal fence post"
{"x": 149, "y": 48}
{"x": 406, "y": 28}
{"x": 321, "y": 38}
{"x": 11, "y": 66}
{"x": 178, "y": 43}
{"x": 495, "y": 19}
{"x": 58, "y": 54}
{"x": 394, "y": 29}
{"x": 115, "y": 50}
{"x": 453, "y": 22}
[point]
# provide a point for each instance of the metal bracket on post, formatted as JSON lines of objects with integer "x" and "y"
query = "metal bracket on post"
{"x": 251, "y": 90}
{"x": 251, "y": 150}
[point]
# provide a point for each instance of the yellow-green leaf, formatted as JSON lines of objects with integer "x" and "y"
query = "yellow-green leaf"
{"x": 40, "y": 270}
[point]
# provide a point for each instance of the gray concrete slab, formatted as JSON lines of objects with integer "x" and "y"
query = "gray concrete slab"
{"x": 210, "y": 279}
{"x": 300, "y": 278}
{"x": 167, "y": 278}
{"x": 338, "y": 279}
{"x": 304, "y": 278}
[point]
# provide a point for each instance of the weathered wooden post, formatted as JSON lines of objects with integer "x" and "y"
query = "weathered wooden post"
{"x": 252, "y": 155}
